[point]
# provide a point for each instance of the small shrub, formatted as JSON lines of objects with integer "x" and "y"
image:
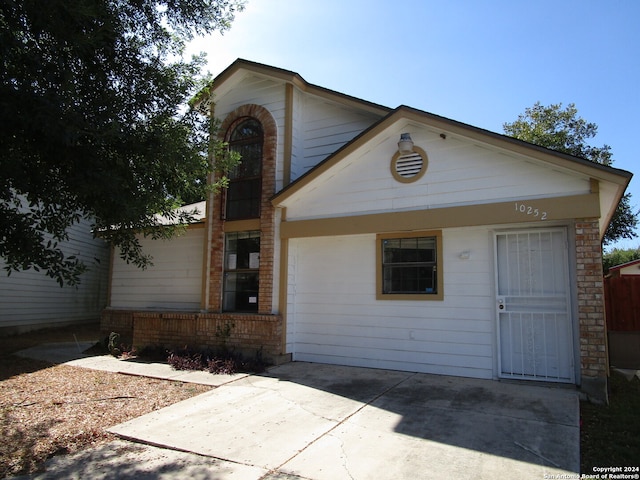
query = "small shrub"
{"x": 186, "y": 360}
{"x": 118, "y": 349}
{"x": 224, "y": 363}
{"x": 113, "y": 344}
{"x": 223, "y": 366}
{"x": 128, "y": 353}
{"x": 224, "y": 334}
{"x": 156, "y": 353}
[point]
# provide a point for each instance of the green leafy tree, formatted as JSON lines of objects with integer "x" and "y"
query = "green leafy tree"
{"x": 95, "y": 123}
{"x": 618, "y": 257}
{"x": 564, "y": 131}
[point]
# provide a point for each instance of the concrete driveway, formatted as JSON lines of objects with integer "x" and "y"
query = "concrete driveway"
{"x": 314, "y": 421}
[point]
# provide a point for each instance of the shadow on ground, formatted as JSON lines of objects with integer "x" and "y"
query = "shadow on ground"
{"x": 527, "y": 423}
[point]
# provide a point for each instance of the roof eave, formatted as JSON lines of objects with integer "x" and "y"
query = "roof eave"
{"x": 515, "y": 145}
{"x": 292, "y": 78}
{"x": 561, "y": 160}
{"x": 625, "y": 265}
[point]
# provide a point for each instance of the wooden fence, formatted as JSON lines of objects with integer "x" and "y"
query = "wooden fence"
{"x": 622, "y": 300}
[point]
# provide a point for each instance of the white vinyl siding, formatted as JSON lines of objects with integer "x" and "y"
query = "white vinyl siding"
{"x": 320, "y": 127}
{"x": 630, "y": 270}
{"x": 254, "y": 89}
{"x": 30, "y": 299}
{"x": 457, "y": 174}
{"x": 324, "y": 128}
{"x": 334, "y": 317}
{"x": 173, "y": 282}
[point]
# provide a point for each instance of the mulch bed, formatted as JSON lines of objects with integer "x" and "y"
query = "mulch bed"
{"x": 47, "y": 410}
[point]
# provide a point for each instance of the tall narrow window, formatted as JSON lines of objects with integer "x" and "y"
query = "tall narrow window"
{"x": 243, "y": 195}
{"x": 242, "y": 268}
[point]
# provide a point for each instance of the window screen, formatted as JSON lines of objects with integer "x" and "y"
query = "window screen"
{"x": 409, "y": 265}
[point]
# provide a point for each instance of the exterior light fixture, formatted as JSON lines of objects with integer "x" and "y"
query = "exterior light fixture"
{"x": 405, "y": 145}
{"x": 466, "y": 255}
{"x": 409, "y": 163}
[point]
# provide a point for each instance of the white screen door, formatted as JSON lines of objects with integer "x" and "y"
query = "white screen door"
{"x": 533, "y": 305}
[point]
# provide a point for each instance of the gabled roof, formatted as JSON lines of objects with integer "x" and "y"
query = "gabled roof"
{"x": 576, "y": 164}
{"x": 625, "y": 265}
{"x": 448, "y": 126}
{"x": 618, "y": 179}
{"x": 296, "y": 80}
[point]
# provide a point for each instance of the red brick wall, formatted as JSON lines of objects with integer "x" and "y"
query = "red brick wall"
{"x": 591, "y": 310}
{"x": 216, "y": 263}
{"x": 248, "y": 333}
{"x": 267, "y": 214}
{"x": 119, "y": 321}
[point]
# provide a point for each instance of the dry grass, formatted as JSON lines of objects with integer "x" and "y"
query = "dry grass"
{"x": 47, "y": 410}
{"x": 610, "y": 434}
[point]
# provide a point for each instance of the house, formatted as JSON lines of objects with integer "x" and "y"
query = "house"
{"x": 30, "y": 300}
{"x": 356, "y": 234}
{"x": 625, "y": 269}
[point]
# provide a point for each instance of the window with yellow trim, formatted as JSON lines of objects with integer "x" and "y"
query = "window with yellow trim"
{"x": 409, "y": 266}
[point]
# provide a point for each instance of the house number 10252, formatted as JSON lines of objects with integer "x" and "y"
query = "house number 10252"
{"x": 529, "y": 210}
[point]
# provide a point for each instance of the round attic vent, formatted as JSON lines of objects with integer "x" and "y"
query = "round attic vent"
{"x": 409, "y": 167}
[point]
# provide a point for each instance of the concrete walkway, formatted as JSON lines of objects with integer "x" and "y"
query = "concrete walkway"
{"x": 71, "y": 354}
{"x": 313, "y": 421}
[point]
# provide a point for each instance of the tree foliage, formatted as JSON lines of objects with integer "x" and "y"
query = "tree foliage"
{"x": 564, "y": 131}
{"x": 618, "y": 257}
{"x": 94, "y": 123}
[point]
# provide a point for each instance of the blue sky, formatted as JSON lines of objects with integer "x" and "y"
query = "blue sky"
{"x": 480, "y": 63}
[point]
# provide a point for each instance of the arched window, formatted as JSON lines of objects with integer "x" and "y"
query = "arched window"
{"x": 243, "y": 195}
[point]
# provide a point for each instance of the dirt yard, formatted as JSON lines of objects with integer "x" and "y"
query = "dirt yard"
{"x": 47, "y": 410}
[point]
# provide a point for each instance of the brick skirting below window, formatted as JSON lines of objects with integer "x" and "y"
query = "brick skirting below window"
{"x": 247, "y": 333}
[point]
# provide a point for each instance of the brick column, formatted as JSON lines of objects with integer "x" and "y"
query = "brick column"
{"x": 591, "y": 310}
{"x": 267, "y": 212}
{"x": 216, "y": 263}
